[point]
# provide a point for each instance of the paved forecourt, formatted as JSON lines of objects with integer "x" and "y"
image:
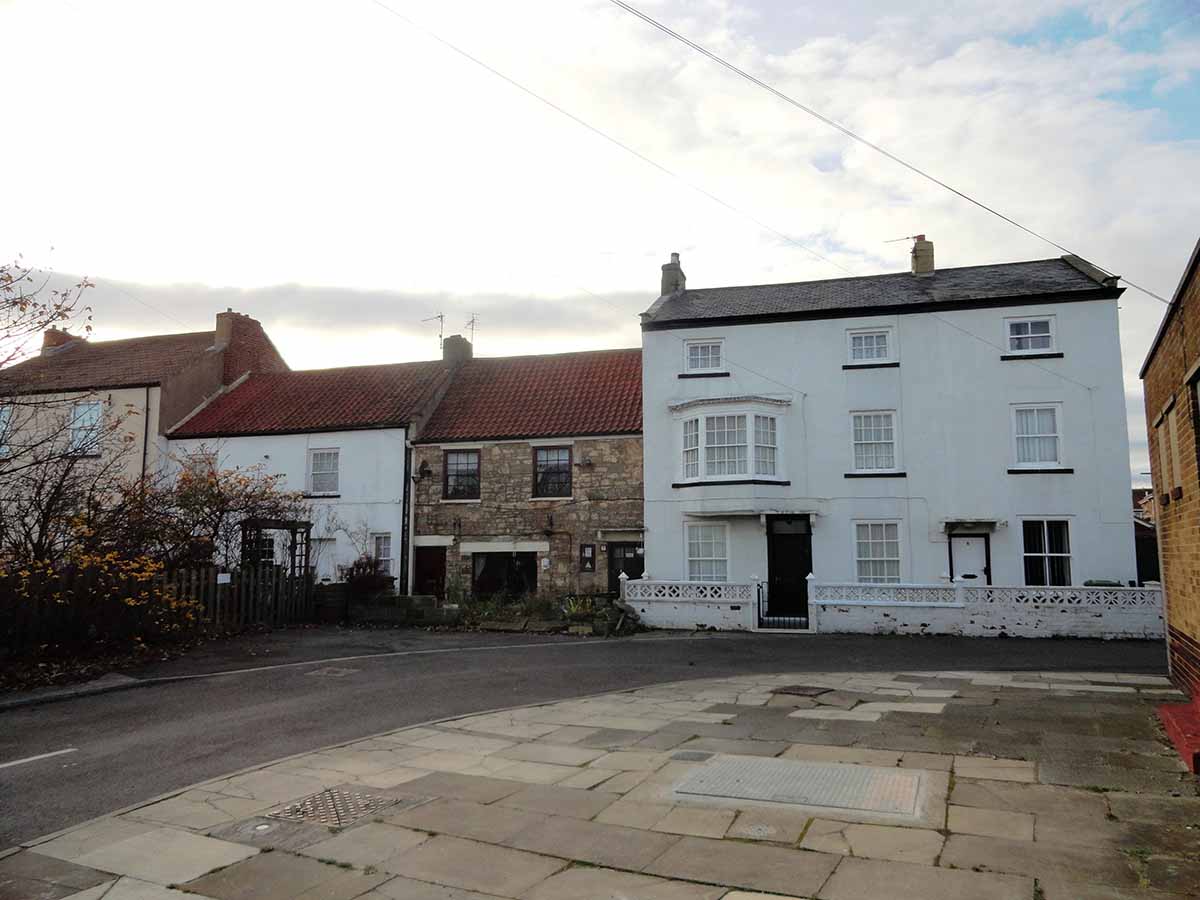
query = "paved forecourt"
{"x": 837, "y": 786}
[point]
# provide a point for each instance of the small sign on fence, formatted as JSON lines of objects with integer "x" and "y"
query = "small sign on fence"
{"x": 224, "y": 578}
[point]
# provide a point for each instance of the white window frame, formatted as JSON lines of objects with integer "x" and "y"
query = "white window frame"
{"x": 6, "y": 424}
{"x": 1056, "y": 405}
{"x": 897, "y": 464}
{"x": 1015, "y": 320}
{"x": 1045, "y": 555}
{"x": 768, "y": 433}
{"x": 890, "y": 334}
{"x": 81, "y": 436}
{"x": 688, "y": 368}
{"x": 688, "y": 558}
{"x": 337, "y": 472}
{"x": 376, "y": 536}
{"x": 701, "y": 446}
{"x": 1172, "y": 424}
{"x": 855, "y": 558}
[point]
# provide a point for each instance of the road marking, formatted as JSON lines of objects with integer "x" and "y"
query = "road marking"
{"x": 336, "y": 659}
{"x": 29, "y": 759}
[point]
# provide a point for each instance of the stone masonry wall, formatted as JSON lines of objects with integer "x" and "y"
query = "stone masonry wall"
{"x": 606, "y": 494}
{"x": 1178, "y": 518}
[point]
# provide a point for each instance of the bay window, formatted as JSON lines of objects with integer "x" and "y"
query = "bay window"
{"x": 731, "y": 445}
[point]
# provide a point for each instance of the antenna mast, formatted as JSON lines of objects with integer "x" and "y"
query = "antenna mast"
{"x": 441, "y": 320}
{"x": 471, "y": 323}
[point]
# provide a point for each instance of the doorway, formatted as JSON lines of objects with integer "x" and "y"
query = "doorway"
{"x": 789, "y": 562}
{"x": 429, "y": 571}
{"x": 627, "y": 557}
{"x": 971, "y": 557}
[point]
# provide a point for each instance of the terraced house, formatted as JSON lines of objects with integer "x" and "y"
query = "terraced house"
{"x": 529, "y": 476}
{"x": 866, "y": 445}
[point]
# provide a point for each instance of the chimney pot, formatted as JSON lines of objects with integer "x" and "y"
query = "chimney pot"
{"x": 456, "y": 350}
{"x": 52, "y": 338}
{"x": 922, "y": 256}
{"x": 673, "y": 278}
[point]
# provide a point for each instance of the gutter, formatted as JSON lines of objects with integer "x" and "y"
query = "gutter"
{"x": 1189, "y": 271}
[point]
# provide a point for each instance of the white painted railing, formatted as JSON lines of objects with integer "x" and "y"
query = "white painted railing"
{"x": 887, "y": 594}
{"x": 688, "y": 591}
{"x": 1126, "y": 598}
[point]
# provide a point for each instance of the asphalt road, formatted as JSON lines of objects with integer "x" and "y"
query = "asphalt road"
{"x": 132, "y": 745}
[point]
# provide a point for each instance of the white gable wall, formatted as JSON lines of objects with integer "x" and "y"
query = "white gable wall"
{"x": 953, "y": 398}
{"x": 371, "y": 488}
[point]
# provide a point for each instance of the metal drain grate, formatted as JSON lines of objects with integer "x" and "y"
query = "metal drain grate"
{"x": 332, "y": 807}
{"x": 832, "y": 785}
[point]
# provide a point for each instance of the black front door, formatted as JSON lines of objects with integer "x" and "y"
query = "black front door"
{"x": 627, "y": 557}
{"x": 789, "y": 561}
{"x": 429, "y": 571}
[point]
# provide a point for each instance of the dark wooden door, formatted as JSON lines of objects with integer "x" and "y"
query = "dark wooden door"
{"x": 789, "y": 561}
{"x": 624, "y": 556}
{"x": 429, "y": 571}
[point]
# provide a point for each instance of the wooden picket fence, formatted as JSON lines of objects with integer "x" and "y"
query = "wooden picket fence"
{"x": 255, "y": 595}
{"x": 75, "y": 608}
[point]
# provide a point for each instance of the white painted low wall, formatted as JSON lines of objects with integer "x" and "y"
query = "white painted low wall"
{"x": 988, "y": 611}
{"x": 691, "y": 605}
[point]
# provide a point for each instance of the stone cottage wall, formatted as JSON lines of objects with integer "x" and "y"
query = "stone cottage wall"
{"x": 606, "y": 495}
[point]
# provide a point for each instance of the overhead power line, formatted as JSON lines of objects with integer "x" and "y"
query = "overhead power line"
{"x": 612, "y": 140}
{"x": 650, "y": 20}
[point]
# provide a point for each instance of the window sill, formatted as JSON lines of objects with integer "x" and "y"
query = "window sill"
{"x": 309, "y": 495}
{"x": 719, "y": 481}
{"x": 1010, "y": 356}
{"x": 1048, "y": 470}
{"x": 463, "y": 500}
{"x": 543, "y": 499}
{"x": 703, "y": 374}
{"x": 874, "y": 365}
{"x": 888, "y": 474}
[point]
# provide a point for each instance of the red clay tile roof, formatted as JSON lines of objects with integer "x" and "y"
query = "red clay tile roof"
{"x": 318, "y": 400}
{"x": 562, "y": 395}
{"x": 82, "y": 365}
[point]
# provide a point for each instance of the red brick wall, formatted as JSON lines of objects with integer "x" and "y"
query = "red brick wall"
{"x": 1178, "y": 494}
{"x": 250, "y": 350}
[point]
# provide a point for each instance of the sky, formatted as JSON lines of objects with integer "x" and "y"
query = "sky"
{"x": 337, "y": 171}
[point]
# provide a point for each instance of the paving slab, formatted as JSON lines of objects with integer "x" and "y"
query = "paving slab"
{"x": 994, "y": 769}
{"x": 587, "y": 778}
{"x": 622, "y": 782}
{"x": 1030, "y": 798}
{"x": 268, "y": 787}
{"x": 871, "y": 879}
{"x": 1158, "y": 810}
{"x": 198, "y": 809}
{"x": 826, "y": 753}
{"x": 710, "y": 823}
{"x": 663, "y": 740}
{"x": 462, "y": 818}
{"x": 834, "y": 714}
{"x": 166, "y": 856}
{"x": 779, "y": 826}
{"x": 129, "y": 889}
{"x": 560, "y": 801}
{"x": 935, "y": 762}
{"x": 32, "y": 876}
{"x": 990, "y": 822}
{"x": 410, "y": 889}
{"x": 1038, "y": 860}
{"x": 915, "y": 845}
{"x": 477, "y": 788}
{"x": 283, "y": 876}
{"x": 1054, "y": 889}
{"x": 278, "y": 834}
{"x": 551, "y": 753}
{"x": 474, "y": 866}
{"x": 608, "y": 884}
{"x": 634, "y": 814}
{"x": 366, "y": 845}
{"x": 464, "y": 742}
{"x": 1179, "y": 875}
{"x": 611, "y": 738}
{"x": 597, "y": 843}
{"x": 754, "y": 866}
{"x": 737, "y": 747}
{"x": 92, "y": 836}
{"x": 631, "y": 760}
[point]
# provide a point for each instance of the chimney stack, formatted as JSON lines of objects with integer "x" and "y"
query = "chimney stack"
{"x": 456, "y": 350}
{"x": 922, "y": 256}
{"x": 673, "y": 278}
{"x": 224, "y": 331}
{"x": 53, "y": 338}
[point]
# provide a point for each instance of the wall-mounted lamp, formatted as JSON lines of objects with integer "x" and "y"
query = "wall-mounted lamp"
{"x": 423, "y": 471}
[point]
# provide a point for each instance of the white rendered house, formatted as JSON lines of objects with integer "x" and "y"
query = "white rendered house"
{"x": 902, "y": 429}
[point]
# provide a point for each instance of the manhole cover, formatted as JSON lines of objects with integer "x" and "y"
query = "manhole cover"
{"x": 332, "y": 807}
{"x": 801, "y": 690}
{"x": 833, "y": 785}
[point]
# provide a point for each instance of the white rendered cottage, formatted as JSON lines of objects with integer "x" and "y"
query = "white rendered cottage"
{"x": 902, "y": 440}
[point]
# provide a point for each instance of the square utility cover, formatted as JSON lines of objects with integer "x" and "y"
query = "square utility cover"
{"x": 832, "y": 785}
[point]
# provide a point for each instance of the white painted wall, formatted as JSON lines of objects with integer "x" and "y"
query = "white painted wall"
{"x": 953, "y": 397}
{"x": 371, "y": 484}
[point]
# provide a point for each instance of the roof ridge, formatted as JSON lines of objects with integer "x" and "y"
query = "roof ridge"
{"x": 558, "y": 355}
{"x": 359, "y": 368}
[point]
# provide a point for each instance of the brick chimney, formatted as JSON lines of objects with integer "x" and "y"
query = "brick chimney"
{"x": 922, "y": 256}
{"x": 673, "y": 278}
{"x": 53, "y": 338}
{"x": 456, "y": 350}
{"x": 246, "y": 347}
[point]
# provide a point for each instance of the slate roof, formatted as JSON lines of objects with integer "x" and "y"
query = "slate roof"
{"x": 1063, "y": 278}
{"x": 90, "y": 365}
{"x": 356, "y": 397}
{"x": 560, "y": 395}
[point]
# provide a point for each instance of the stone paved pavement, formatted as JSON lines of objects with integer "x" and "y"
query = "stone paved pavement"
{"x": 950, "y": 785}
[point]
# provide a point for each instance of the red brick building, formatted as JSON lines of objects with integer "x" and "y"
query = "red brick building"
{"x": 1170, "y": 376}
